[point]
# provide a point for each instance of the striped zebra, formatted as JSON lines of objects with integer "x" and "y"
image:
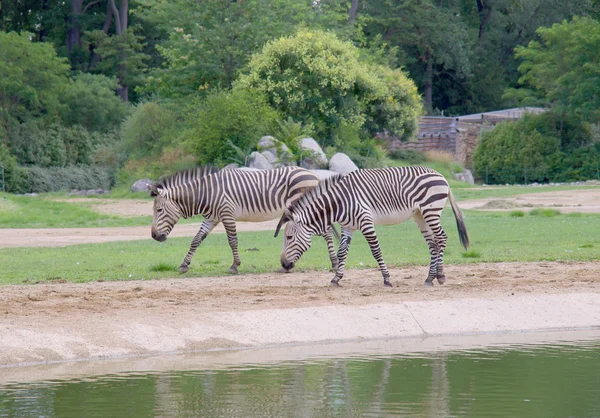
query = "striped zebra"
{"x": 228, "y": 196}
{"x": 365, "y": 198}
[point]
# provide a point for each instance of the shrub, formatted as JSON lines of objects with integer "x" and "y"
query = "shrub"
{"x": 544, "y": 212}
{"x": 170, "y": 160}
{"x": 147, "y": 130}
{"x": 42, "y": 180}
{"x": 412, "y": 157}
{"x": 239, "y": 116}
{"x": 516, "y": 214}
{"x": 14, "y": 176}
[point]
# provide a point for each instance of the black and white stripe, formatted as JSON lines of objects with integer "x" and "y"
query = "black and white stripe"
{"x": 365, "y": 198}
{"x": 228, "y": 196}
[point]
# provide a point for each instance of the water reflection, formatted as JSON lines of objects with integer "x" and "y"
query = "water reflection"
{"x": 548, "y": 380}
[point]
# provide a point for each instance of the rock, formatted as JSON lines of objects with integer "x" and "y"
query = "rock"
{"x": 230, "y": 166}
{"x": 341, "y": 163}
{"x": 465, "y": 176}
{"x": 141, "y": 185}
{"x": 323, "y": 174}
{"x": 273, "y": 159}
{"x": 312, "y": 156}
{"x": 283, "y": 155}
{"x": 257, "y": 160}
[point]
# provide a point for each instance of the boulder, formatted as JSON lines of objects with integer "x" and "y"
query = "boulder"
{"x": 283, "y": 155}
{"x": 341, "y": 163}
{"x": 323, "y": 174}
{"x": 312, "y": 156}
{"x": 230, "y": 166}
{"x": 465, "y": 176}
{"x": 273, "y": 159}
{"x": 257, "y": 160}
{"x": 141, "y": 185}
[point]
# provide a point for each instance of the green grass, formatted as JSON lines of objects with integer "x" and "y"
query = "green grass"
{"x": 516, "y": 214}
{"x": 43, "y": 212}
{"x": 495, "y": 237}
{"x": 544, "y": 212}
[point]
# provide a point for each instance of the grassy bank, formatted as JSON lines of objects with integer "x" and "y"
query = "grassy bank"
{"x": 495, "y": 237}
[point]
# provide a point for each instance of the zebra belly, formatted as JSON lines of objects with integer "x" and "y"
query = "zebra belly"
{"x": 393, "y": 218}
{"x": 259, "y": 217}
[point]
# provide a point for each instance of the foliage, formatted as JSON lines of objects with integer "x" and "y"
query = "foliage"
{"x": 53, "y": 179}
{"x": 544, "y": 212}
{"x": 239, "y": 116}
{"x": 211, "y": 41}
{"x": 563, "y": 69}
{"x": 316, "y": 78}
{"x": 147, "y": 130}
{"x": 14, "y": 176}
{"x": 537, "y": 149}
{"x": 291, "y": 133}
{"x": 32, "y": 79}
{"x": 170, "y": 160}
{"x": 90, "y": 101}
{"x": 412, "y": 157}
{"x": 516, "y": 214}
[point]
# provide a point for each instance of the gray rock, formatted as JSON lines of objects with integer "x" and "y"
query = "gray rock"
{"x": 465, "y": 176}
{"x": 141, "y": 185}
{"x": 273, "y": 159}
{"x": 341, "y": 163}
{"x": 282, "y": 153}
{"x": 312, "y": 156}
{"x": 323, "y": 174}
{"x": 257, "y": 160}
{"x": 230, "y": 166}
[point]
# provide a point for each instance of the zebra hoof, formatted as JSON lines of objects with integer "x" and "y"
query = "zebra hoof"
{"x": 183, "y": 269}
{"x": 334, "y": 283}
{"x": 441, "y": 279}
{"x": 387, "y": 283}
{"x": 233, "y": 270}
{"x": 283, "y": 270}
{"x": 428, "y": 282}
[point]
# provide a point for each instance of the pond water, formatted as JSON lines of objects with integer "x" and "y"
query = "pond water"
{"x": 551, "y": 379}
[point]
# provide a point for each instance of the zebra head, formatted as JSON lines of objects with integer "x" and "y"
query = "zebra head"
{"x": 296, "y": 240}
{"x": 165, "y": 213}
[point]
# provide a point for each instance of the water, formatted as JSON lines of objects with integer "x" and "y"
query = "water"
{"x": 559, "y": 379}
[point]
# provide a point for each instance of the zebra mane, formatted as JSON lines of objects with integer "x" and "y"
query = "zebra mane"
{"x": 308, "y": 198}
{"x": 185, "y": 176}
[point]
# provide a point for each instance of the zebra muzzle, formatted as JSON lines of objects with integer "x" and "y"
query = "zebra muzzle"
{"x": 287, "y": 265}
{"x": 159, "y": 237}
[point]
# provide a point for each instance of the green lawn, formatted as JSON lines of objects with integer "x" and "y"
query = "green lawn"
{"x": 43, "y": 212}
{"x": 494, "y": 237}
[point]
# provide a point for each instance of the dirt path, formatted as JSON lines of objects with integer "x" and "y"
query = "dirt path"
{"x": 64, "y": 321}
{"x": 585, "y": 201}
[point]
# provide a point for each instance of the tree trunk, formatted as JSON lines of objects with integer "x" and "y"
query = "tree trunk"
{"x": 353, "y": 11}
{"x": 485, "y": 13}
{"x": 94, "y": 57}
{"x": 428, "y": 82}
{"x": 74, "y": 31}
{"x": 120, "y": 27}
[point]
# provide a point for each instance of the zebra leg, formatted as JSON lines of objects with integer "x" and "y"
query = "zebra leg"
{"x": 229, "y": 224}
{"x": 431, "y": 243}
{"x": 441, "y": 239}
{"x": 368, "y": 230}
{"x": 331, "y": 249}
{"x": 342, "y": 254}
{"x": 205, "y": 229}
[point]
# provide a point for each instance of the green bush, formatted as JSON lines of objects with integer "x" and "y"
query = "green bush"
{"x": 537, "y": 148}
{"x": 238, "y": 116}
{"x": 516, "y": 214}
{"x": 14, "y": 176}
{"x": 412, "y": 157}
{"x": 42, "y": 180}
{"x": 147, "y": 130}
{"x": 548, "y": 213}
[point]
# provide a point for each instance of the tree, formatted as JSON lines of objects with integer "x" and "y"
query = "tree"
{"x": 317, "y": 79}
{"x": 563, "y": 69}
{"x": 32, "y": 80}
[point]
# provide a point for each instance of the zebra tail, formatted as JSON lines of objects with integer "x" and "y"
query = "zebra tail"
{"x": 460, "y": 223}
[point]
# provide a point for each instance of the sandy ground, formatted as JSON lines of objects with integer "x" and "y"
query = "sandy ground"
{"x": 63, "y": 321}
{"x": 585, "y": 201}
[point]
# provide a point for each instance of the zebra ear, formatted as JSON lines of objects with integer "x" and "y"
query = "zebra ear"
{"x": 152, "y": 189}
{"x": 284, "y": 218}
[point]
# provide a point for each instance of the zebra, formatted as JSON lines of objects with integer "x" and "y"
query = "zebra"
{"x": 228, "y": 196}
{"x": 365, "y": 198}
